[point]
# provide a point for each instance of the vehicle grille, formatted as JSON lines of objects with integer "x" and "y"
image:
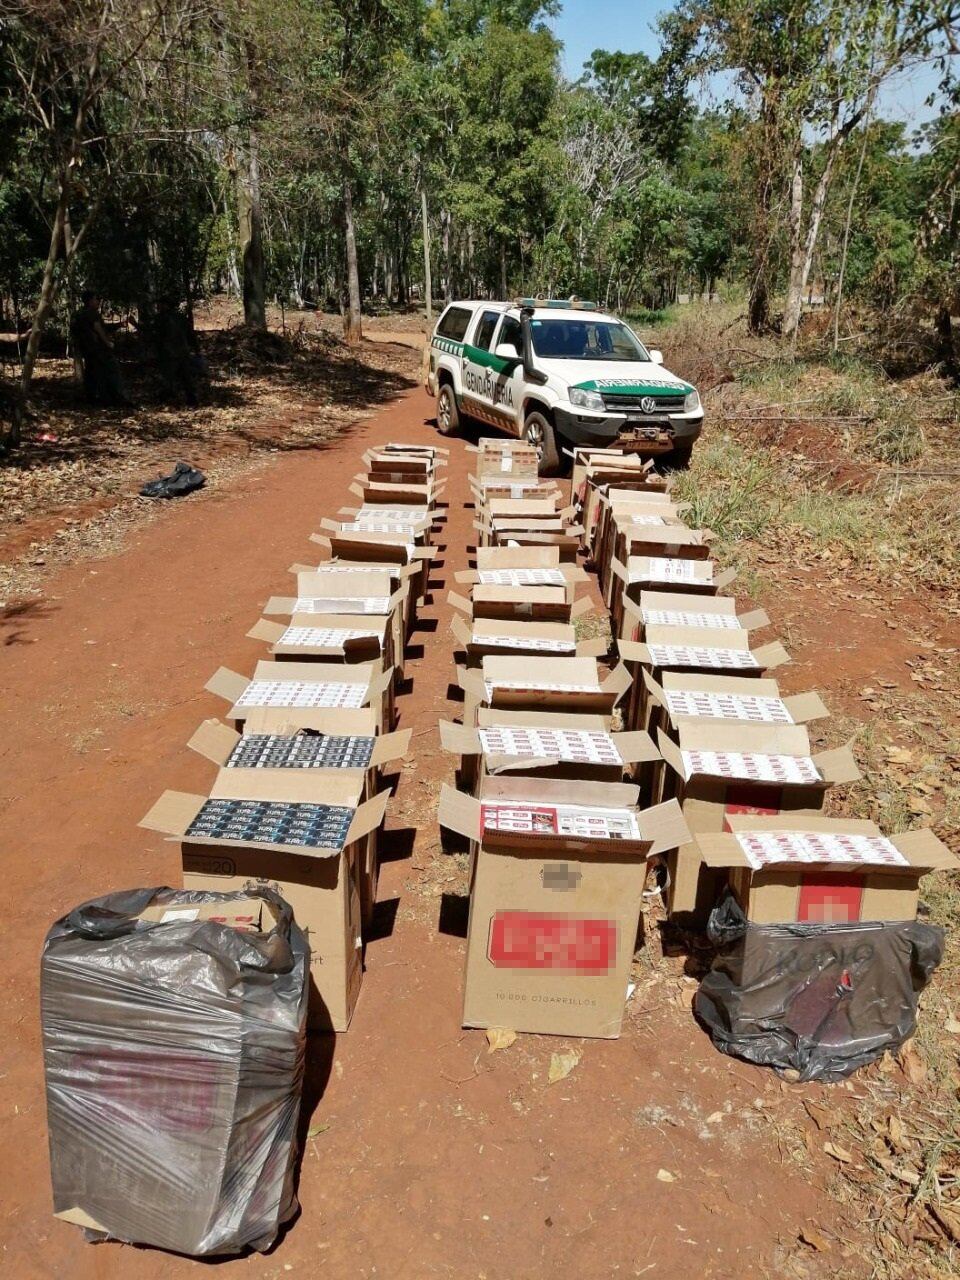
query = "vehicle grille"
{"x": 664, "y": 403}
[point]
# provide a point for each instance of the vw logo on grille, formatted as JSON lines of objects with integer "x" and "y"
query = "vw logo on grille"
{"x": 648, "y": 404}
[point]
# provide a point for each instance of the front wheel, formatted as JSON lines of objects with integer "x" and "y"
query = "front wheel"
{"x": 448, "y": 416}
{"x": 540, "y": 432}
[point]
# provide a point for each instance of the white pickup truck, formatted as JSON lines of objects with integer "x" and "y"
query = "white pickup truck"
{"x": 558, "y": 373}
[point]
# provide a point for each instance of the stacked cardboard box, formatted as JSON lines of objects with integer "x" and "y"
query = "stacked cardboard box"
{"x": 298, "y": 798}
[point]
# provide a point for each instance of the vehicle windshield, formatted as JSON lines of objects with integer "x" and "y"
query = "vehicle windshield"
{"x": 585, "y": 340}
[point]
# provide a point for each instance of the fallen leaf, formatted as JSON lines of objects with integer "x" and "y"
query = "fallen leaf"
{"x": 911, "y": 1064}
{"x": 899, "y": 755}
{"x": 838, "y": 1153}
{"x": 895, "y": 1129}
{"x": 561, "y": 1064}
{"x": 909, "y": 1176}
{"x": 812, "y": 1237}
{"x": 664, "y": 1175}
{"x": 715, "y": 1117}
{"x": 499, "y": 1038}
{"x": 953, "y": 1026}
{"x": 316, "y": 1129}
{"x": 822, "y": 1117}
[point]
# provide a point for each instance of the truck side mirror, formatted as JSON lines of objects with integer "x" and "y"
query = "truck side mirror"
{"x": 656, "y": 357}
{"x": 506, "y": 351}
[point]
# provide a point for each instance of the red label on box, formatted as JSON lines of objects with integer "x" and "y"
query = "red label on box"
{"x": 745, "y": 798}
{"x": 830, "y": 899}
{"x": 556, "y": 941}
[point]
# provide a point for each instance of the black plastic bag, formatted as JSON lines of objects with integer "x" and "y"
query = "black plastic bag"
{"x": 181, "y": 480}
{"x": 822, "y": 1000}
{"x": 174, "y": 1053}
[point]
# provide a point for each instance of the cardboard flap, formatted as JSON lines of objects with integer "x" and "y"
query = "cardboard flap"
{"x": 923, "y": 850}
{"x": 581, "y": 607}
{"x": 280, "y": 604}
{"x": 772, "y": 655}
{"x": 458, "y": 739}
{"x": 664, "y": 826}
{"x": 380, "y": 683}
{"x": 753, "y": 620}
{"x": 368, "y": 817}
{"x": 618, "y": 681}
{"x": 466, "y": 578}
{"x": 459, "y": 602}
{"x": 214, "y": 740}
{"x": 619, "y": 570}
{"x": 634, "y": 651}
{"x": 264, "y": 630}
{"x": 299, "y": 567}
{"x": 173, "y": 813}
{"x": 321, "y": 539}
{"x": 471, "y": 682}
{"x": 227, "y": 684}
{"x": 459, "y": 812}
{"x": 838, "y": 765}
{"x": 595, "y": 648}
{"x": 653, "y": 689}
{"x": 461, "y": 631}
{"x": 391, "y": 746}
{"x": 671, "y": 753}
{"x": 724, "y": 578}
{"x": 636, "y": 747}
{"x": 355, "y": 489}
{"x": 805, "y": 706}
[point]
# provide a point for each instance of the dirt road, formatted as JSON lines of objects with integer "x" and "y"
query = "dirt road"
{"x": 429, "y": 1156}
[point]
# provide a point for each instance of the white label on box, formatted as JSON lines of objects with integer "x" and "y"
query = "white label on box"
{"x": 727, "y": 706}
{"x": 674, "y": 618}
{"x": 408, "y": 515}
{"x": 379, "y": 526}
{"x": 685, "y": 655}
{"x": 180, "y": 913}
{"x": 299, "y": 693}
{"x": 772, "y": 848}
{"x": 522, "y": 577}
{"x": 751, "y": 767}
{"x": 324, "y": 637}
{"x": 674, "y": 570}
{"x": 506, "y": 463}
{"x": 560, "y": 819}
{"x": 518, "y": 642}
{"x": 345, "y": 604}
{"x": 647, "y": 520}
{"x": 572, "y": 746}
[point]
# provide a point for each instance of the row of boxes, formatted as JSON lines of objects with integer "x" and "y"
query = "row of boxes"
{"x": 298, "y": 802}
{"x": 736, "y": 752}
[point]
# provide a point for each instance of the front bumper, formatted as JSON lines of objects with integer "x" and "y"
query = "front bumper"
{"x": 651, "y": 433}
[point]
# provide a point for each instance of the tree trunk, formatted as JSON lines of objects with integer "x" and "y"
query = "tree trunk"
{"x": 447, "y": 263}
{"x": 794, "y": 303}
{"x": 250, "y": 218}
{"x": 48, "y": 292}
{"x": 352, "y": 321}
{"x": 427, "y": 277}
{"x": 838, "y": 298}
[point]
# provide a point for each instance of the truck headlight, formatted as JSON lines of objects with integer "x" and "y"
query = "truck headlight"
{"x": 691, "y": 402}
{"x": 587, "y": 399}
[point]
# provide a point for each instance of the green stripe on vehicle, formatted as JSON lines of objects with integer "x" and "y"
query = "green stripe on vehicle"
{"x": 617, "y": 387}
{"x": 487, "y": 360}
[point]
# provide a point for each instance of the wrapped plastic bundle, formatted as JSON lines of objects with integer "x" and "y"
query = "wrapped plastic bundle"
{"x": 173, "y": 1040}
{"x": 820, "y": 999}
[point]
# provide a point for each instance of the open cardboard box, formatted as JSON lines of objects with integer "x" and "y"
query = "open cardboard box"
{"x": 291, "y": 693}
{"x": 682, "y": 696}
{"x": 487, "y": 487}
{"x": 366, "y": 548}
{"x": 334, "y": 637}
{"x": 544, "y": 744}
{"x": 522, "y": 567}
{"x": 812, "y": 870}
{"x": 654, "y": 510}
{"x": 351, "y": 591}
{"x": 676, "y": 609}
{"x": 553, "y": 917}
{"x": 515, "y": 459}
{"x": 217, "y": 742}
{"x": 522, "y": 603}
{"x": 682, "y": 573}
{"x": 567, "y": 542}
{"x": 373, "y": 490}
{"x": 322, "y": 885}
{"x": 481, "y": 636}
{"x": 719, "y": 768}
{"x": 545, "y": 683}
